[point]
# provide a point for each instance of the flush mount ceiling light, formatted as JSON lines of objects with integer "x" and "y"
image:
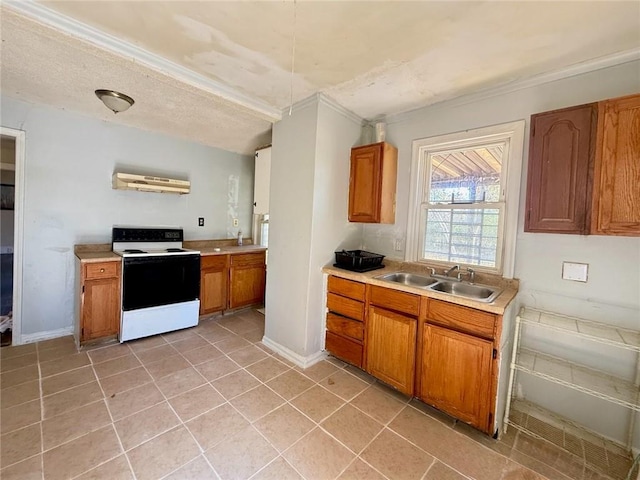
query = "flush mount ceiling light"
{"x": 118, "y": 102}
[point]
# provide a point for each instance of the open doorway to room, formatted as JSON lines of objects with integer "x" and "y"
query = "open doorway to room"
{"x": 7, "y": 222}
{"x": 11, "y": 208}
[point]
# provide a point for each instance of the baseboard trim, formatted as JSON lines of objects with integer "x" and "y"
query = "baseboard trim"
{"x": 48, "y": 335}
{"x": 301, "y": 361}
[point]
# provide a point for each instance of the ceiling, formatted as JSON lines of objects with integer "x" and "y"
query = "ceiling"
{"x": 219, "y": 73}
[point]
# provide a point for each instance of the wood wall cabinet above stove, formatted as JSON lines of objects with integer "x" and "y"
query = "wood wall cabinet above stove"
{"x": 561, "y": 152}
{"x": 372, "y": 183}
{"x": 584, "y": 169}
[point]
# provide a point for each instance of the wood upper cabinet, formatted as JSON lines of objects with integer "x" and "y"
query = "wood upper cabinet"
{"x": 456, "y": 375}
{"x": 616, "y": 194}
{"x": 247, "y": 279}
{"x": 372, "y": 183}
{"x": 561, "y": 150}
{"x": 584, "y": 169}
{"x": 100, "y": 300}
{"x": 391, "y": 348}
{"x": 214, "y": 274}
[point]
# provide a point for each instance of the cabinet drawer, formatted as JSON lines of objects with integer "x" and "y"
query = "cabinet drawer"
{"x": 242, "y": 259}
{"x": 101, "y": 270}
{"x": 213, "y": 261}
{"x": 342, "y": 347}
{"x": 345, "y": 326}
{"x": 346, "y": 288}
{"x": 345, "y": 306}
{"x": 462, "y": 319}
{"x": 395, "y": 300}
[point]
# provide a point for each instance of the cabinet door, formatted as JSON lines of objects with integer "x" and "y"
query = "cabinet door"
{"x": 456, "y": 374}
{"x": 560, "y": 154}
{"x": 100, "y": 308}
{"x": 261, "y": 181}
{"x": 372, "y": 183}
{"x": 391, "y": 348}
{"x": 616, "y": 194}
{"x": 365, "y": 184}
{"x": 213, "y": 290}
{"x": 247, "y": 286}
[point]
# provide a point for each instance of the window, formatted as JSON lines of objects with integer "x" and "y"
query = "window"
{"x": 464, "y": 198}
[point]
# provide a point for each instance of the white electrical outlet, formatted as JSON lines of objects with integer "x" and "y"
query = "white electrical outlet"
{"x": 578, "y": 272}
{"x": 398, "y": 245}
{"x": 235, "y": 222}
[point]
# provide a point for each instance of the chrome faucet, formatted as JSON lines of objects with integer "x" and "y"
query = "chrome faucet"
{"x": 451, "y": 270}
{"x": 471, "y": 272}
{"x": 472, "y": 275}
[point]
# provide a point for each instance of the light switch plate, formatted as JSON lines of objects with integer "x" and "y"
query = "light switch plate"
{"x": 577, "y": 272}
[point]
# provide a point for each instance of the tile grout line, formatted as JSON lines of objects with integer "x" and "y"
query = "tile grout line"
{"x": 182, "y": 423}
{"x": 41, "y": 412}
{"x": 112, "y": 425}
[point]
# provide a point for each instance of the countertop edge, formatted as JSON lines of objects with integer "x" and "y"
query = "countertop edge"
{"x": 109, "y": 256}
{"x": 497, "y": 307}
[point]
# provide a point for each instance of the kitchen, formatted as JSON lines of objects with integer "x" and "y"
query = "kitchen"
{"x": 61, "y": 213}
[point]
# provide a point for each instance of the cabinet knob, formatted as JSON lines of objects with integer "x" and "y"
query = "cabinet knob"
{"x": 102, "y": 270}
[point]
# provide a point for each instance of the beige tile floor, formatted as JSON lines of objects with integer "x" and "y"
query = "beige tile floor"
{"x": 213, "y": 402}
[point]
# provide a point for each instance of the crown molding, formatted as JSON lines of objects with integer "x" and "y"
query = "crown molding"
{"x": 345, "y": 112}
{"x": 76, "y": 29}
{"x": 567, "y": 72}
{"x": 321, "y": 98}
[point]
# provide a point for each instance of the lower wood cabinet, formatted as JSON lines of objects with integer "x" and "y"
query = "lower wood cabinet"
{"x": 443, "y": 353}
{"x": 456, "y": 374}
{"x": 231, "y": 281}
{"x": 214, "y": 276}
{"x": 100, "y": 300}
{"x": 247, "y": 279}
{"x": 391, "y": 348}
{"x": 345, "y": 320}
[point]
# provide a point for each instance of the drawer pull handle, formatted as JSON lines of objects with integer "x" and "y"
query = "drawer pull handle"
{"x": 102, "y": 270}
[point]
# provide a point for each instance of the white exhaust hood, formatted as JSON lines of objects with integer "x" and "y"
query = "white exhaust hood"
{"x": 148, "y": 183}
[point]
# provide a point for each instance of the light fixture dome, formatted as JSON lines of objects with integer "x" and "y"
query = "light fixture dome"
{"x": 118, "y": 102}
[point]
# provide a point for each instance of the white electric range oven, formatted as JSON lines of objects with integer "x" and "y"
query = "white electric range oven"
{"x": 160, "y": 281}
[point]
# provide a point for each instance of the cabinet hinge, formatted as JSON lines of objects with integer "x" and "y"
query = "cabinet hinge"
{"x": 256, "y": 154}
{"x": 495, "y": 353}
{"x": 82, "y": 288}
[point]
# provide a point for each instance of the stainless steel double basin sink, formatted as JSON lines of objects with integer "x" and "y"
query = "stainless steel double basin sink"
{"x": 479, "y": 293}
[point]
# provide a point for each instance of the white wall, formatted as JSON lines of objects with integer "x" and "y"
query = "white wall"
{"x": 331, "y": 230}
{"x": 538, "y": 256}
{"x": 69, "y": 200}
{"x": 612, "y": 294}
{"x": 308, "y": 220}
{"x": 291, "y": 210}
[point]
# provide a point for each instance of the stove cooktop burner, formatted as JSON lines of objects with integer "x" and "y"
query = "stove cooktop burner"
{"x": 133, "y": 250}
{"x": 175, "y": 250}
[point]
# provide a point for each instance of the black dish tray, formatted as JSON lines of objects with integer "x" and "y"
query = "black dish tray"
{"x": 358, "y": 259}
{"x": 359, "y": 270}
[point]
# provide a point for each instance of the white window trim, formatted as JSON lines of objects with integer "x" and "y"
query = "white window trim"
{"x": 514, "y": 131}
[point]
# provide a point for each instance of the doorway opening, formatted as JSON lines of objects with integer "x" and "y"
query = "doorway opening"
{"x": 11, "y": 189}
